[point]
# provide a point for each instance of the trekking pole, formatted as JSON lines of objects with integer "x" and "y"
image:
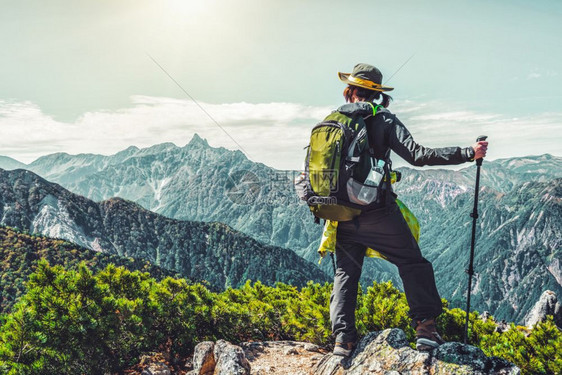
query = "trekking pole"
{"x": 474, "y": 216}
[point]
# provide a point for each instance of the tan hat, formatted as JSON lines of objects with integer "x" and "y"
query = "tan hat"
{"x": 365, "y": 76}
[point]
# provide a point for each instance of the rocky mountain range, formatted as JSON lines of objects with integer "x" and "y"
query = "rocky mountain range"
{"x": 200, "y": 251}
{"x": 518, "y": 244}
{"x": 194, "y": 182}
{"x": 518, "y": 247}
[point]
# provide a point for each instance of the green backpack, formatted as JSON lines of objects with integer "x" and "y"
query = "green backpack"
{"x": 341, "y": 176}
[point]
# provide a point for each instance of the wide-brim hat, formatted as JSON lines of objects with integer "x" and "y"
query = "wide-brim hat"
{"x": 365, "y": 76}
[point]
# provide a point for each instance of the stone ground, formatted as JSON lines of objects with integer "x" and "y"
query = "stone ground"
{"x": 282, "y": 357}
{"x": 275, "y": 357}
{"x": 383, "y": 352}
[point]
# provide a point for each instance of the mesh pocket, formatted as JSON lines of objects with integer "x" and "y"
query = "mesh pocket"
{"x": 359, "y": 193}
{"x": 301, "y": 186}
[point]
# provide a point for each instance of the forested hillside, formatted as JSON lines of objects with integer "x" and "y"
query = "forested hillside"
{"x": 21, "y": 252}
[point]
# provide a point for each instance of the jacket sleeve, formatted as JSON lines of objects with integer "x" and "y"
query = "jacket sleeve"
{"x": 402, "y": 142}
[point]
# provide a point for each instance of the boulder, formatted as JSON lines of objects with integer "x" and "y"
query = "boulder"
{"x": 546, "y": 305}
{"x": 220, "y": 358}
{"x": 204, "y": 358}
{"x": 388, "y": 352}
{"x": 230, "y": 359}
{"x": 156, "y": 368}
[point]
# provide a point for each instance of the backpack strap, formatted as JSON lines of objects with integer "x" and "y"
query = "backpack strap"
{"x": 371, "y": 149}
{"x": 356, "y": 111}
{"x": 387, "y": 162}
{"x": 387, "y": 170}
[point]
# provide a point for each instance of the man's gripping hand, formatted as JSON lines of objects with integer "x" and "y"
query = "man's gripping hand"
{"x": 480, "y": 149}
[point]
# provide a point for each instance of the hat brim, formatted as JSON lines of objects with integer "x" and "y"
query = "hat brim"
{"x": 344, "y": 77}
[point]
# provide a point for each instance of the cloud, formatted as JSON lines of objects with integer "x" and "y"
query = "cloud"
{"x": 529, "y": 135}
{"x": 538, "y": 73}
{"x": 534, "y": 75}
{"x": 266, "y": 130}
{"x": 271, "y": 133}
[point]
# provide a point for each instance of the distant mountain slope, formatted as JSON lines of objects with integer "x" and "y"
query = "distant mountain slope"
{"x": 9, "y": 163}
{"x": 20, "y": 252}
{"x": 201, "y": 251}
{"x": 501, "y": 175}
{"x": 194, "y": 182}
{"x": 518, "y": 250}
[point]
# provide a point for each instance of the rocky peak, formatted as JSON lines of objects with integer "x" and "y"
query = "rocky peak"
{"x": 197, "y": 141}
{"x": 124, "y": 154}
{"x": 546, "y": 305}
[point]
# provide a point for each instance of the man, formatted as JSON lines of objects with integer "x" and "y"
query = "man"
{"x": 383, "y": 228}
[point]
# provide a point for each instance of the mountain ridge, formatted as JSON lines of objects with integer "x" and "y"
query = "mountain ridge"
{"x": 10, "y": 163}
{"x": 197, "y": 250}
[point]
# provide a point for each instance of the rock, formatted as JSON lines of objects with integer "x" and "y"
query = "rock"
{"x": 290, "y": 351}
{"x": 204, "y": 358}
{"x": 281, "y": 357}
{"x": 230, "y": 359}
{"x": 485, "y": 316}
{"x": 254, "y": 347}
{"x": 546, "y": 305}
{"x": 311, "y": 348}
{"x": 502, "y": 326}
{"x": 558, "y": 315}
{"x": 457, "y": 358}
{"x": 157, "y": 368}
{"x": 388, "y": 352}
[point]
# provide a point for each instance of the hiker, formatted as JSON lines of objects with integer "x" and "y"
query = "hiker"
{"x": 383, "y": 226}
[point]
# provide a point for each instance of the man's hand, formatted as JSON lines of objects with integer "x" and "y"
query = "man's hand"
{"x": 480, "y": 149}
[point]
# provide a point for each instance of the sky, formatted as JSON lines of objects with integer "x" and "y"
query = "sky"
{"x": 97, "y": 76}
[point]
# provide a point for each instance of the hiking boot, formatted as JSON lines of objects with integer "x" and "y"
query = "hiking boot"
{"x": 427, "y": 337}
{"x": 344, "y": 348}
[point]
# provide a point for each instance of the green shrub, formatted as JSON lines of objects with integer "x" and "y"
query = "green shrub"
{"x": 80, "y": 322}
{"x": 381, "y": 307}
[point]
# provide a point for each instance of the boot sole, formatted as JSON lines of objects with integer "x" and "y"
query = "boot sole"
{"x": 342, "y": 352}
{"x": 426, "y": 345}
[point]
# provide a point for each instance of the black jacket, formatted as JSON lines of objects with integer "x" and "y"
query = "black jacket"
{"x": 387, "y": 132}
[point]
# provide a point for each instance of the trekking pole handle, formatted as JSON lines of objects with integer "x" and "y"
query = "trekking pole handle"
{"x": 480, "y": 139}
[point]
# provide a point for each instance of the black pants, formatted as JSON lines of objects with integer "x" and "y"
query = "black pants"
{"x": 386, "y": 231}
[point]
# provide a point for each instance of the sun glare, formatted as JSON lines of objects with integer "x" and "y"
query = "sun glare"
{"x": 188, "y": 7}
